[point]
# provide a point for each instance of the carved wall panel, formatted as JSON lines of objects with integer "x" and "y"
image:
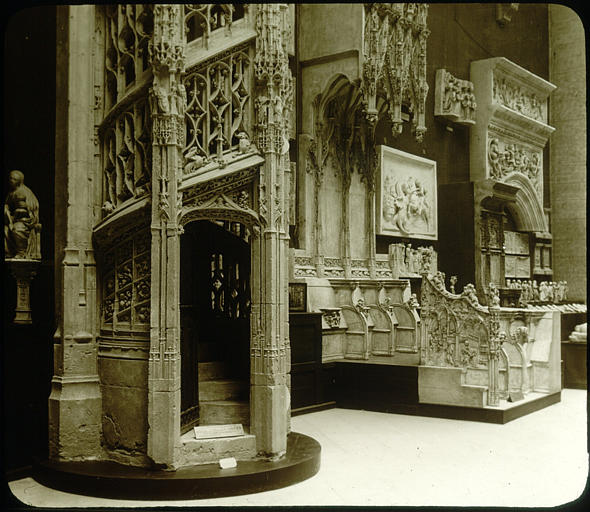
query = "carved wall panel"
{"x": 218, "y": 111}
{"x": 506, "y": 156}
{"x": 129, "y": 29}
{"x": 454, "y": 99}
{"x": 125, "y": 270}
{"x": 511, "y": 129}
{"x": 455, "y": 328}
{"x": 407, "y": 195}
{"x": 127, "y": 156}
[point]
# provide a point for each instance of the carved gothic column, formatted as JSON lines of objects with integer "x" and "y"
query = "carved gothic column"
{"x": 317, "y": 158}
{"x": 270, "y": 351}
{"x": 495, "y": 344}
{"x": 75, "y": 400}
{"x": 167, "y": 103}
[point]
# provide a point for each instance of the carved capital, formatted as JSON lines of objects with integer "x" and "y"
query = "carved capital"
{"x": 331, "y": 317}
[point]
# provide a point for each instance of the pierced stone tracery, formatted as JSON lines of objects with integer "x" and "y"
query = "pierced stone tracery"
{"x": 127, "y": 151}
{"x": 126, "y": 286}
{"x": 218, "y": 104}
{"x": 129, "y": 29}
{"x": 203, "y": 19}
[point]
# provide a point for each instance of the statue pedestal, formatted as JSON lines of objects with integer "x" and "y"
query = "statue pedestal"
{"x": 23, "y": 271}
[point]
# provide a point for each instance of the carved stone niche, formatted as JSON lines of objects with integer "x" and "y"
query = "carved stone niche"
{"x": 511, "y": 129}
{"x": 454, "y": 99}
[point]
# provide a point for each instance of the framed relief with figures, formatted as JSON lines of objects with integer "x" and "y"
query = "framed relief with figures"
{"x": 406, "y": 195}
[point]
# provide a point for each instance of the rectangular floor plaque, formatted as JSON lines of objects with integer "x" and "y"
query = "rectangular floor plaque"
{"x": 212, "y": 431}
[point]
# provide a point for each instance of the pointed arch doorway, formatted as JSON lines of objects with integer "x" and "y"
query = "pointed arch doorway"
{"x": 214, "y": 323}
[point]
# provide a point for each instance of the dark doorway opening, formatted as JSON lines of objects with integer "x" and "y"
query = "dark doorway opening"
{"x": 214, "y": 322}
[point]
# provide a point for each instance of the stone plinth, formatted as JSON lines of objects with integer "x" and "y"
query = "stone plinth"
{"x": 23, "y": 271}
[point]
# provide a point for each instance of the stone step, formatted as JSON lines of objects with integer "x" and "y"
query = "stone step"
{"x": 207, "y": 451}
{"x": 223, "y": 412}
{"x": 213, "y": 370}
{"x": 222, "y": 389}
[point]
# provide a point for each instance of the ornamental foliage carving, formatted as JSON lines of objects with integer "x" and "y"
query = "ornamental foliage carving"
{"x": 394, "y": 66}
{"x": 126, "y": 285}
{"x": 218, "y": 108}
{"x": 505, "y": 158}
{"x": 456, "y": 328}
{"x": 127, "y": 156}
{"x": 128, "y": 32}
{"x": 454, "y": 99}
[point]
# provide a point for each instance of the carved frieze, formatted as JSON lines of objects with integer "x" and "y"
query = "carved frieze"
{"x": 454, "y": 99}
{"x": 406, "y": 261}
{"x": 511, "y": 131}
{"x": 506, "y": 157}
{"x": 394, "y": 65}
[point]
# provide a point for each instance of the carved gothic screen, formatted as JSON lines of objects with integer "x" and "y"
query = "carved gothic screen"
{"x": 125, "y": 271}
{"x": 219, "y": 103}
{"x": 128, "y": 31}
{"x": 127, "y": 152}
{"x": 455, "y": 332}
{"x": 204, "y": 19}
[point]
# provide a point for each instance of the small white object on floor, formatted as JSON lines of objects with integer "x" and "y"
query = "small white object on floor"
{"x": 230, "y": 462}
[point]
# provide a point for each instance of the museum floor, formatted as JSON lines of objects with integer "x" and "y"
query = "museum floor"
{"x": 371, "y": 458}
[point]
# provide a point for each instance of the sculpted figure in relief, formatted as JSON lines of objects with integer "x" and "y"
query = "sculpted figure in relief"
{"x": 406, "y": 205}
{"x": 22, "y": 231}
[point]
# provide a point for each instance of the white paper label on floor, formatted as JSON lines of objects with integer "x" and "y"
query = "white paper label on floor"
{"x": 230, "y": 462}
{"x": 212, "y": 431}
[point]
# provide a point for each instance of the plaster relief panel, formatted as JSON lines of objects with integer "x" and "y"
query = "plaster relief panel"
{"x": 511, "y": 128}
{"x": 406, "y": 202}
{"x": 454, "y": 99}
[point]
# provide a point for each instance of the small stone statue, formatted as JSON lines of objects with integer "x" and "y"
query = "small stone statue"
{"x": 244, "y": 143}
{"x": 22, "y": 231}
{"x": 494, "y": 295}
{"x": 470, "y": 293}
{"x": 452, "y": 283}
{"x": 193, "y": 160}
{"x": 543, "y": 291}
{"x": 413, "y": 302}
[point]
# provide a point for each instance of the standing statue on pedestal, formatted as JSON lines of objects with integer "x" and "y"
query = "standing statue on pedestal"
{"x": 22, "y": 231}
{"x": 22, "y": 241}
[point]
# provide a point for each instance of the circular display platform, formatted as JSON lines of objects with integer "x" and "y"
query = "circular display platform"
{"x": 112, "y": 480}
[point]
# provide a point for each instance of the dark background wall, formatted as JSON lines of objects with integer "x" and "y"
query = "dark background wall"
{"x": 460, "y": 34}
{"x": 29, "y": 128}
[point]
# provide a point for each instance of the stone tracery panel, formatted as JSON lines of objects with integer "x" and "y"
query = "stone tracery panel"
{"x": 203, "y": 19}
{"x": 218, "y": 108}
{"x": 127, "y": 155}
{"x": 126, "y": 285}
{"x": 128, "y": 31}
